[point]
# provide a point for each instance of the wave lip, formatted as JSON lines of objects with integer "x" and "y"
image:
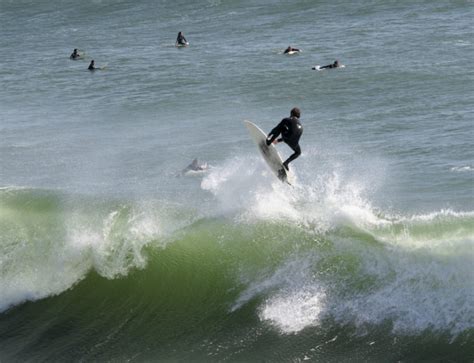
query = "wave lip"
{"x": 47, "y": 246}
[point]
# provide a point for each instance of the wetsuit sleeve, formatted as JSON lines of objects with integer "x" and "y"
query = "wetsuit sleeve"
{"x": 275, "y": 132}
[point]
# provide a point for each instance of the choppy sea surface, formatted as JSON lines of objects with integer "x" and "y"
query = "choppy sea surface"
{"x": 109, "y": 253}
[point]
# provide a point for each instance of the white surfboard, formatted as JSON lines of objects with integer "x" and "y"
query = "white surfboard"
{"x": 269, "y": 153}
{"x": 318, "y": 67}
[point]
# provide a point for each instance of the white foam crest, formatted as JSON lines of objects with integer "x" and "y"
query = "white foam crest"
{"x": 117, "y": 246}
{"x": 423, "y": 293}
{"x": 345, "y": 202}
{"x": 416, "y": 291}
{"x": 283, "y": 276}
{"x": 461, "y": 169}
{"x": 422, "y": 277}
{"x": 12, "y": 188}
{"x": 438, "y": 232}
{"x": 427, "y": 288}
{"x": 425, "y": 275}
{"x": 437, "y": 215}
{"x": 245, "y": 185}
{"x": 293, "y": 311}
{"x": 47, "y": 276}
{"x": 34, "y": 267}
{"x": 296, "y": 299}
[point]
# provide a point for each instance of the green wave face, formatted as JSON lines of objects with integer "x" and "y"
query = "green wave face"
{"x": 101, "y": 279}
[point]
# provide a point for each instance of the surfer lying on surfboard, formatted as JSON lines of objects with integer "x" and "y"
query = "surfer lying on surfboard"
{"x": 291, "y": 130}
{"x": 290, "y": 49}
{"x": 333, "y": 65}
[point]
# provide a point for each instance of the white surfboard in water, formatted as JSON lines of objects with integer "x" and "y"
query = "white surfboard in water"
{"x": 269, "y": 153}
{"x": 318, "y": 67}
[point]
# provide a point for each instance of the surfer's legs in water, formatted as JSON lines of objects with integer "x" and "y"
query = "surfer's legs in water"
{"x": 297, "y": 152}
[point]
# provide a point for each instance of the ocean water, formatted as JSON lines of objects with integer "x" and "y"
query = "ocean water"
{"x": 108, "y": 253}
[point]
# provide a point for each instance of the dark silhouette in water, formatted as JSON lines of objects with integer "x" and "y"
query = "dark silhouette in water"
{"x": 194, "y": 166}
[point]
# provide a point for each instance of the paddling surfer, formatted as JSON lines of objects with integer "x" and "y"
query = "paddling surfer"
{"x": 290, "y": 49}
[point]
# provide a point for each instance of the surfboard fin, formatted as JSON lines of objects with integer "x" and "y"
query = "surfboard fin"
{"x": 282, "y": 174}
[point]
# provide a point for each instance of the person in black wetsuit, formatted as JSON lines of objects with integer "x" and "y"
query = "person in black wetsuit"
{"x": 333, "y": 65}
{"x": 91, "y": 66}
{"x": 290, "y": 49}
{"x": 75, "y": 55}
{"x": 181, "y": 40}
{"x": 291, "y": 130}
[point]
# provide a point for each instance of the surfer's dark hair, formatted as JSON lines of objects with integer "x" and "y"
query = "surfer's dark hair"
{"x": 295, "y": 112}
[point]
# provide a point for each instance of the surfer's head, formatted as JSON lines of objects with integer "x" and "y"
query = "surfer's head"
{"x": 295, "y": 112}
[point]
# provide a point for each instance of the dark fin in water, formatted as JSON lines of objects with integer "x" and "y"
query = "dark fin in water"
{"x": 282, "y": 175}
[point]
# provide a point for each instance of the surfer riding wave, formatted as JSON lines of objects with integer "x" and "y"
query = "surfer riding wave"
{"x": 291, "y": 130}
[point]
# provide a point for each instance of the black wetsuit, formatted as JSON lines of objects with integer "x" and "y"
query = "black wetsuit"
{"x": 291, "y": 130}
{"x": 181, "y": 40}
{"x": 330, "y": 66}
{"x": 291, "y": 50}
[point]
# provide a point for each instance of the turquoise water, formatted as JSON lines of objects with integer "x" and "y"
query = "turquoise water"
{"x": 108, "y": 253}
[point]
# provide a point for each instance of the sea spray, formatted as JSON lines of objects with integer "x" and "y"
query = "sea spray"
{"x": 49, "y": 241}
